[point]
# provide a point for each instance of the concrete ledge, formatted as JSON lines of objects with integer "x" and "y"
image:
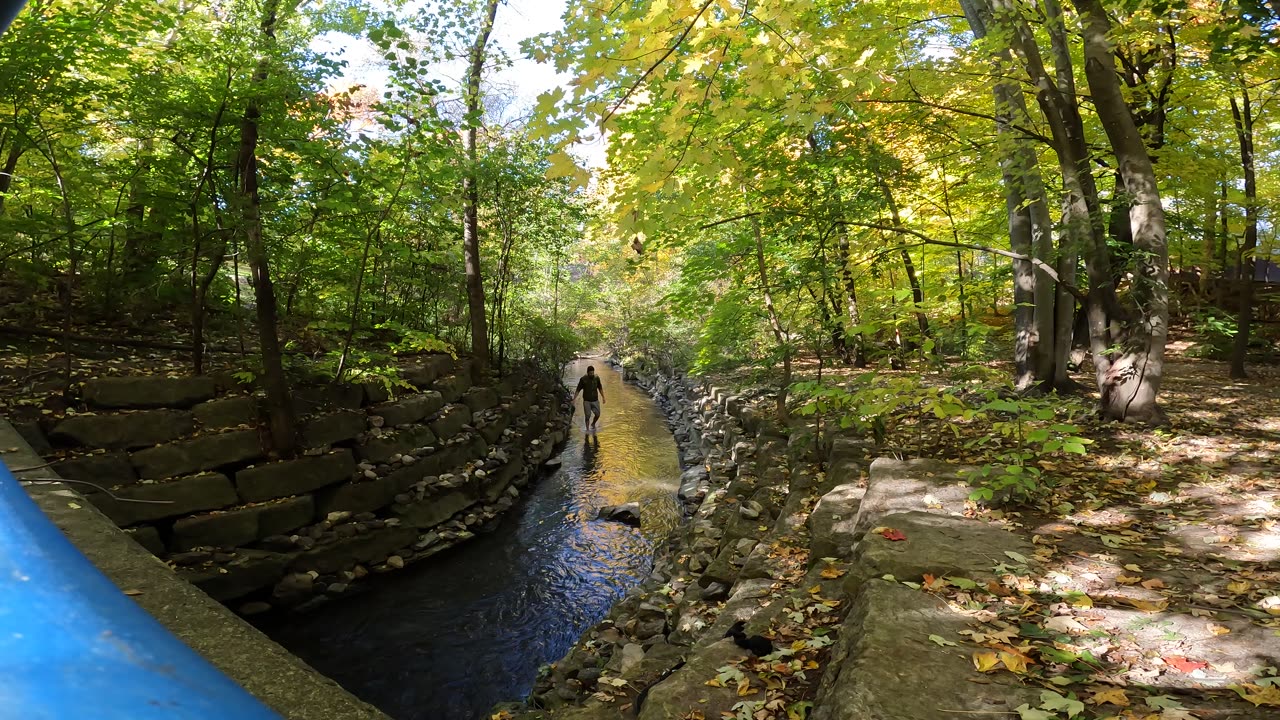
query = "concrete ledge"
{"x": 268, "y": 671}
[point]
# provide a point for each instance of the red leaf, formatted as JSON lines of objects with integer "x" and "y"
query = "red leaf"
{"x": 1182, "y": 664}
{"x": 892, "y": 534}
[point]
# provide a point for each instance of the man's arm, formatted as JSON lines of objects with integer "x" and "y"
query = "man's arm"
{"x": 600, "y": 389}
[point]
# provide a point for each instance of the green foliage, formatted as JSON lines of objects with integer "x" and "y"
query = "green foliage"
{"x": 1025, "y": 430}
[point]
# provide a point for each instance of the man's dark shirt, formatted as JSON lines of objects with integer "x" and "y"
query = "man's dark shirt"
{"x": 590, "y": 387}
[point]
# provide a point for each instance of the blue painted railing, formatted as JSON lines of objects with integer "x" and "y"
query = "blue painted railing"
{"x": 73, "y": 646}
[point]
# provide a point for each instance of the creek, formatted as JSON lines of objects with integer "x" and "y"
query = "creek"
{"x": 452, "y": 636}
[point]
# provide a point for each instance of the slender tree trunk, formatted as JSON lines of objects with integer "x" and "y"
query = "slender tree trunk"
{"x": 917, "y": 292}
{"x": 274, "y": 382}
{"x": 1132, "y": 382}
{"x": 851, "y": 296}
{"x": 471, "y": 198}
{"x": 10, "y": 167}
{"x": 779, "y": 335}
{"x": 1242, "y": 113}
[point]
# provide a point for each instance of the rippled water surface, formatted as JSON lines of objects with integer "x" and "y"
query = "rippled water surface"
{"x": 452, "y": 636}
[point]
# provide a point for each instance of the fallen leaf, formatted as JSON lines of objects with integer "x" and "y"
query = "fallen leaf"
{"x": 1218, "y": 629}
{"x": 831, "y": 572}
{"x": 1257, "y": 695}
{"x": 1239, "y": 587}
{"x": 1153, "y": 584}
{"x": 1015, "y": 662}
{"x": 133, "y": 593}
{"x": 1127, "y": 580}
{"x": 893, "y": 535}
{"x": 1064, "y": 624}
{"x": 1182, "y": 664}
{"x": 1148, "y": 605}
{"x": 986, "y": 661}
{"x": 941, "y": 641}
{"x": 1115, "y": 696}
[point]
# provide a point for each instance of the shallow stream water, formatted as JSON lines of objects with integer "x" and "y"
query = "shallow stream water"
{"x": 450, "y": 637}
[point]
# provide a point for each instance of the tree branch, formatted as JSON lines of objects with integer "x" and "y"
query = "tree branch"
{"x": 655, "y": 65}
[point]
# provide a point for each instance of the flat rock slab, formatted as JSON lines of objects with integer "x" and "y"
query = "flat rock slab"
{"x": 937, "y": 545}
{"x": 833, "y": 522}
{"x": 235, "y": 528}
{"x": 345, "y": 553}
{"x": 128, "y": 431}
{"x": 111, "y": 469}
{"x": 294, "y": 477}
{"x": 408, "y": 410}
{"x": 884, "y": 667}
{"x": 148, "y": 392}
{"x": 167, "y": 499}
{"x": 895, "y": 486}
{"x": 450, "y": 421}
{"x": 202, "y": 453}
{"x": 227, "y": 413}
{"x": 452, "y": 387}
{"x": 333, "y": 428}
{"x": 686, "y": 689}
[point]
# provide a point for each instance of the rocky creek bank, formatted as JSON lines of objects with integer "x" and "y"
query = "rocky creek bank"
{"x": 184, "y": 466}
{"x": 803, "y": 557}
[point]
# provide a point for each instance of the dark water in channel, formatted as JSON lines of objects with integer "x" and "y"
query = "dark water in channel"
{"x": 452, "y": 636}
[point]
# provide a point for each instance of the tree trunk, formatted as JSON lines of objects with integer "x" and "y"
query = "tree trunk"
{"x": 779, "y": 334}
{"x": 279, "y": 403}
{"x": 1242, "y": 113}
{"x": 1132, "y": 381}
{"x": 851, "y": 295}
{"x": 471, "y": 198}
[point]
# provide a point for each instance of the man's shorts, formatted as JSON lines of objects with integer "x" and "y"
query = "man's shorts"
{"x": 591, "y": 407}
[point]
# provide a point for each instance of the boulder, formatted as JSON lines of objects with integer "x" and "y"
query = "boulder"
{"x": 242, "y": 526}
{"x": 383, "y": 449}
{"x": 345, "y": 553}
{"x": 408, "y": 410}
{"x": 627, "y": 513}
{"x": 428, "y": 513}
{"x": 423, "y": 373}
{"x": 694, "y": 484}
{"x": 108, "y": 470}
{"x": 294, "y": 477}
{"x": 31, "y": 432}
{"x": 359, "y": 496}
{"x": 201, "y": 453}
{"x": 167, "y": 499}
{"x": 148, "y": 392}
{"x": 127, "y": 431}
{"x": 832, "y": 523}
{"x": 227, "y": 413}
{"x": 332, "y": 428}
{"x": 889, "y": 621}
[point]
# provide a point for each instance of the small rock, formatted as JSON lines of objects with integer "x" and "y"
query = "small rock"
{"x": 391, "y": 522}
{"x": 627, "y": 513}
{"x": 365, "y": 516}
{"x": 194, "y": 557}
{"x": 403, "y": 498}
{"x": 377, "y": 421}
{"x": 481, "y": 474}
{"x": 277, "y": 543}
{"x": 337, "y": 588}
{"x": 359, "y": 571}
{"x": 223, "y": 558}
{"x": 408, "y": 459}
{"x": 370, "y": 475}
{"x": 395, "y": 561}
{"x": 306, "y": 543}
{"x": 632, "y": 655}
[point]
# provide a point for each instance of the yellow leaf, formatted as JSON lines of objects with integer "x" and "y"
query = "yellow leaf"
{"x": 1127, "y": 580}
{"x": 1153, "y": 584}
{"x": 985, "y": 660}
{"x": 1148, "y": 605}
{"x": 815, "y": 589}
{"x": 1082, "y": 600}
{"x": 1115, "y": 696}
{"x": 831, "y": 572}
{"x": 1218, "y": 629}
{"x": 1258, "y": 695}
{"x": 1132, "y": 568}
{"x": 713, "y": 683}
{"x": 1239, "y": 587}
{"x": 745, "y": 689}
{"x": 1016, "y": 663}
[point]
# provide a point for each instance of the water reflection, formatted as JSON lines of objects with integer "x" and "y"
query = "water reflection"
{"x": 449, "y": 639}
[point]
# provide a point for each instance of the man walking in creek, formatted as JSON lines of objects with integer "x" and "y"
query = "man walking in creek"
{"x": 592, "y": 391}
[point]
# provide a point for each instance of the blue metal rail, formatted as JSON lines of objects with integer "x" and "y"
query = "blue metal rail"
{"x": 74, "y": 647}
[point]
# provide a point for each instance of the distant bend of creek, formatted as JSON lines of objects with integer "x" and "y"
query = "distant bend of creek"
{"x": 450, "y": 637}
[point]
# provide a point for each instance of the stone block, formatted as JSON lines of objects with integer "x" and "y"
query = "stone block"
{"x": 227, "y": 413}
{"x": 108, "y": 470}
{"x": 889, "y": 620}
{"x": 480, "y": 398}
{"x": 31, "y": 432}
{"x": 345, "y": 553}
{"x": 321, "y": 398}
{"x": 425, "y": 372}
{"x": 294, "y": 477}
{"x": 174, "y": 498}
{"x": 408, "y": 410}
{"x": 432, "y": 511}
{"x": 285, "y": 516}
{"x": 450, "y": 421}
{"x": 895, "y": 486}
{"x": 399, "y": 442}
{"x": 208, "y": 452}
{"x": 492, "y": 430}
{"x": 148, "y": 392}
{"x": 250, "y": 571}
{"x": 148, "y": 537}
{"x": 125, "y": 431}
{"x": 221, "y": 530}
{"x": 375, "y": 392}
{"x": 452, "y": 387}
{"x": 832, "y": 523}
{"x": 332, "y": 428}
{"x": 357, "y": 497}
{"x": 936, "y": 545}
{"x": 687, "y": 688}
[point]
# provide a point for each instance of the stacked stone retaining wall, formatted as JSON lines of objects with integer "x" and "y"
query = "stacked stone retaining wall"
{"x": 184, "y": 466}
